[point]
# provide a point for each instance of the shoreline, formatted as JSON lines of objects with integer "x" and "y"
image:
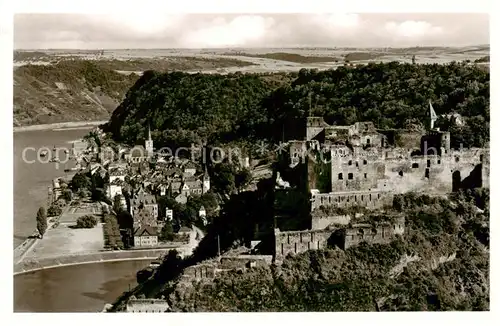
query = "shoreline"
{"x": 82, "y": 263}
{"x": 60, "y": 125}
{"x": 30, "y": 265}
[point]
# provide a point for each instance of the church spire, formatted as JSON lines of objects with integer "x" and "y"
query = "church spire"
{"x": 149, "y": 132}
{"x": 433, "y": 115}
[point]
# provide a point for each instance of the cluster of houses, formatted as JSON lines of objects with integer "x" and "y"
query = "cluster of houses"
{"x": 141, "y": 175}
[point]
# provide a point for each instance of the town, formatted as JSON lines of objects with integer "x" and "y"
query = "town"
{"x": 340, "y": 202}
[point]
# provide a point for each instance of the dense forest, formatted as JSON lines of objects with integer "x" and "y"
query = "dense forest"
{"x": 184, "y": 108}
{"x": 442, "y": 263}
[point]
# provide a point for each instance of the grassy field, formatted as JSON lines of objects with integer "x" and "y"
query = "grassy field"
{"x": 290, "y": 57}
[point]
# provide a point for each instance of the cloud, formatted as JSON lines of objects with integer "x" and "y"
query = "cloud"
{"x": 158, "y": 29}
{"x": 412, "y": 28}
{"x": 235, "y": 32}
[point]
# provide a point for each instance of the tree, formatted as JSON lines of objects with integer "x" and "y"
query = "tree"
{"x": 41, "y": 221}
{"x": 84, "y": 193}
{"x": 67, "y": 195}
{"x": 80, "y": 181}
{"x": 167, "y": 232}
{"x": 223, "y": 178}
{"x": 54, "y": 210}
{"x": 242, "y": 179}
{"x": 86, "y": 222}
{"x": 117, "y": 204}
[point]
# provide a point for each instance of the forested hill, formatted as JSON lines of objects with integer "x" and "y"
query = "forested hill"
{"x": 183, "y": 108}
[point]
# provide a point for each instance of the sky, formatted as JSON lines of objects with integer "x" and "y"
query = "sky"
{"x": 159, "y": 30}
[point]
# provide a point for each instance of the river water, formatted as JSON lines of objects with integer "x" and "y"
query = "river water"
{"x": 77, "y": 288}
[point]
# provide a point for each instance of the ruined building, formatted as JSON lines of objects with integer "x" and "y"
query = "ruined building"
{"x": 338, "y": 168}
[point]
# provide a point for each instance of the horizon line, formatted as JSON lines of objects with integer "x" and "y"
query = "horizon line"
{"x": 254, "y": 47}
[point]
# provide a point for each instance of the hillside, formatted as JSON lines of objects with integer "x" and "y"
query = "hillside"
{"x": 67, "y": 91}
{"x": 440, "y": 264}
{"x": 182, "y": 108}
{"x": 84, "y": 90}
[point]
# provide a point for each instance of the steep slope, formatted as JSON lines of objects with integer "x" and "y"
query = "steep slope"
{"x": 65, "y": 88}
{"x": 441, "y": 263}
{"x": 73, "y": 90}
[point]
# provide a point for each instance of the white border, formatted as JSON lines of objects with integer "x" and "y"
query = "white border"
{"x": 222, "y": 6}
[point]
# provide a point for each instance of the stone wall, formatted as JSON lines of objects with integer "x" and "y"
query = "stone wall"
{"x": 205, "y": 271}
{"x": 295, "y": 242}
{"x": 320, "y": 222}
{"x": 244, "y": 261}
{"x": 381, "y": 234}
{"x": 369, "y": 199}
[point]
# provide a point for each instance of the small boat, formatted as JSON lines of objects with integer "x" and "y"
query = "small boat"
{"x": 66, "y": 151}
{"x": 43, "y": 153}
{"x": 55, "y": 160}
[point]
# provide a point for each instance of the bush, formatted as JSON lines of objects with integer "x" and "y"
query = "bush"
{"x": 86, "y": 222}
{"x": 54, "y": 210}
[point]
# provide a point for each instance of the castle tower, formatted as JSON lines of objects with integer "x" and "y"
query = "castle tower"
{"x": 149, "y": 144}
{"x": 206, "y": 182}
{"x": 432, "y": 114}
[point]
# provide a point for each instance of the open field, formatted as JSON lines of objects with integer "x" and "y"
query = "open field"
{"x": 63, "y": 241}
{"x": 291, "y": 57}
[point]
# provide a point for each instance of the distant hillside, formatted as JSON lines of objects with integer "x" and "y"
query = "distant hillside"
{"x": 69, "y": 91}
{"x": 291, "y": 57}
{"x": 80, "y": 90}
{"x": 483, "y": 59}
{"x": 184, "y": 108}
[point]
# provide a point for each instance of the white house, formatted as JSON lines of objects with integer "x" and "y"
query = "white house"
{"x": 169, "y": 214}
{"x": 203, "y": 215}
{"x": 113, "y": 190}
{"x": 145, "y": 236}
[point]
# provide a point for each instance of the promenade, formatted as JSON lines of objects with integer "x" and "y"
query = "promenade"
{"x": 63, "y": 245}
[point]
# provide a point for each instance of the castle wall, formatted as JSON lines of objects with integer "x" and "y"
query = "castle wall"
{"x": 369, "y": 199}
{"x": 314, "y": 126}
{"x": 321, "y": 222}
{"x": 199, "y": 272}
{"x": 409, "y": 140}
{"x": 431, "y": 174}
{"x": 244, "y": 261}
{"x": 295, "y": 242}
{"x": 382, "y": 234}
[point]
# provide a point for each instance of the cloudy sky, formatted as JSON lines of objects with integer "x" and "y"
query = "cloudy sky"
{"x": 157, "y": 30}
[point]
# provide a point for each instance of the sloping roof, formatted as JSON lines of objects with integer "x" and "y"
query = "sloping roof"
{"x": 138, "y": 151}
{"x": 189, "y": 165}
{"x": 145, "y": 230}
{"x": 194, "y": 184}
{"x": 185, "y": 229}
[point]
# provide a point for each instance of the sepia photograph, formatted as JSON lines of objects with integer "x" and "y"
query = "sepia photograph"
{"x": 275, "y": 162}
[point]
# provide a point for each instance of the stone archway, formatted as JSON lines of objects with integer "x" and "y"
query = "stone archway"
{"x": 456, "y": 180}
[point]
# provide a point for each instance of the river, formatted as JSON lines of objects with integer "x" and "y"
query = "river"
{"x": 77, "y": 288}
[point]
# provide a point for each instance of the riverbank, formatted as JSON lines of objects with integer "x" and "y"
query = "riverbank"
{"x": 31, "y": 265}
{"x": 61, "y": 125}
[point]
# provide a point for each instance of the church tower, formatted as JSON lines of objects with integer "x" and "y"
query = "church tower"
{"x": 206, "y": 181}
{"x": 149, "y": 144}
